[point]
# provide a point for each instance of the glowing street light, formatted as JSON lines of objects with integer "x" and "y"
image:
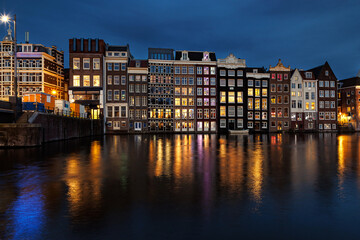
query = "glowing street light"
{"x": 6, "y": 19}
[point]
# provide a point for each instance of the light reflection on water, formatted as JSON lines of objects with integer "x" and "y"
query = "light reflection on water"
{"x": 182, "y": 186}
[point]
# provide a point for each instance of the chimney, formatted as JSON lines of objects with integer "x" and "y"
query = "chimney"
{"x": 26, "y": 37}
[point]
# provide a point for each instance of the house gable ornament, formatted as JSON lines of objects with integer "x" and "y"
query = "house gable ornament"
{"x": 280, "y": 67}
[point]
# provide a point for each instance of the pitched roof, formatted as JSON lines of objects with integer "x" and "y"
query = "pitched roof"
{"x": 316, "y": 70}
{"x": 305, "y": 77}
{"x": 350, "y": 82}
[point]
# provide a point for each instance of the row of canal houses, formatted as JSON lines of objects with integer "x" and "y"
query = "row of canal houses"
{"x": 194, "y": 92}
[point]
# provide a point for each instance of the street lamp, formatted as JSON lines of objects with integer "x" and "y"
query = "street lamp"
{"x": 7, "y": 19}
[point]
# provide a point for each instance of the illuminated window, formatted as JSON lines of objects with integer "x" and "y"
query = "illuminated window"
{"x": 206, "y": 91}
{"x": 264, "y": 92}
{"x": 307, "y": 106}
{"x": 123, "y": 95}
{"x": 250, "y": 103}
{"x": 206, "y": 81}
{"x": 250, "y": 115}
{"x": 257, "y": 104}
{"x": 191, "y": 102}
{"x": 191, "y": 113}
{"x": 184, "y": 91}
{"x": 257, "y": 92}
{"x": 177, "y": 101}
{"x": 184, "y": 114}
{"x": 222, "y": 97}
{"x": 279, "y": 99}
{"x": 264, "y": 115}
{"x": 257, "y": 116}
{"x": 96, "y": 81}
{"x": 231, "y": 97}
{"x": 312, "y": 106}
{"x": 273, "y": 88}
{"x": 273, "y": 100}
{"x": 177, "y": 91}
{"x": 222, "y": 111}
{"x": 206, "y": 114}
{"x": 273, "y": 112}
{"x": 206, "y": 102}
{"x": 206, "y": 70}
{"x": 86, "y": 81}
{"x": 264, "y": 104}
{"x": 116, "y": 95}
{"x": 250, "y": 92}
{"x": 177, "y": 113}
{"x": 279, "y": 112}
{"x": 212, "y": 70}
{"x": 239, "y": 97}
{"x": 76, "y": 80}
{"x": 184, "y": 101}
{"x": 76, "y": 63}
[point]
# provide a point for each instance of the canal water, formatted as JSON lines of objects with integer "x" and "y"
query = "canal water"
{"x": 281, "y": 186}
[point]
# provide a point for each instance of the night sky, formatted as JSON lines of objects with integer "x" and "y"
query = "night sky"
{"x": 303, "y": 33}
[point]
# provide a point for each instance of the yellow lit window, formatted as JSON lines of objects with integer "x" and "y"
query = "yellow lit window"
{"x": 250, "y": 103}
{"x": 250, "y": 92}
{"x": 257, "y": 104}
{"x": 86, "y": 82}
{"x": 307, "y": 106}
{"x": 177, "y": 113}
{"x": 240, "y": 97}
{"x": 264, "y": 104}
{"x": 76, "y": 80}
{"x": 184, "y": 91}
{"x": 273, "y": 100}
{"x": 184, "y": 101}
{"x": 223, "y": 97}
{"x": 264, "y": 92}
{"x": 257, "y": 92}
{"x": 312, "y": 106}
{"x": 293, "y": 94}
{"x": 222, "y": 111}
{"x": 177, "y": 101}
{"x": 231, "y": 97}
{"x": 96, "y": 81}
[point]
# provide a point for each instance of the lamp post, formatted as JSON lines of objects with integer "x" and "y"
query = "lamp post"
{"x": 7, "y": 19}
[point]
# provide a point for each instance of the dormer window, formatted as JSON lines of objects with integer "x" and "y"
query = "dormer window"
{"x": 116, "y": 54}
{"x": 255, "y": 71}
{"x": 137, "y": 63}
{"x": 123, "y": 54}
{"x": 109, "y": 54}
{"x": 308, "y": 74}
{"x": 184, "y": 56}
{"x": 206, "y": 56}
{"x": 326, "y": 73}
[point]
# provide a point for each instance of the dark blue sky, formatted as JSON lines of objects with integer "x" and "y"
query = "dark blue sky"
{"x": 303, "y": 33}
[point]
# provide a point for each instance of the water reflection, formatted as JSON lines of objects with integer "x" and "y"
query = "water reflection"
{"x": 151, "y": 186}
